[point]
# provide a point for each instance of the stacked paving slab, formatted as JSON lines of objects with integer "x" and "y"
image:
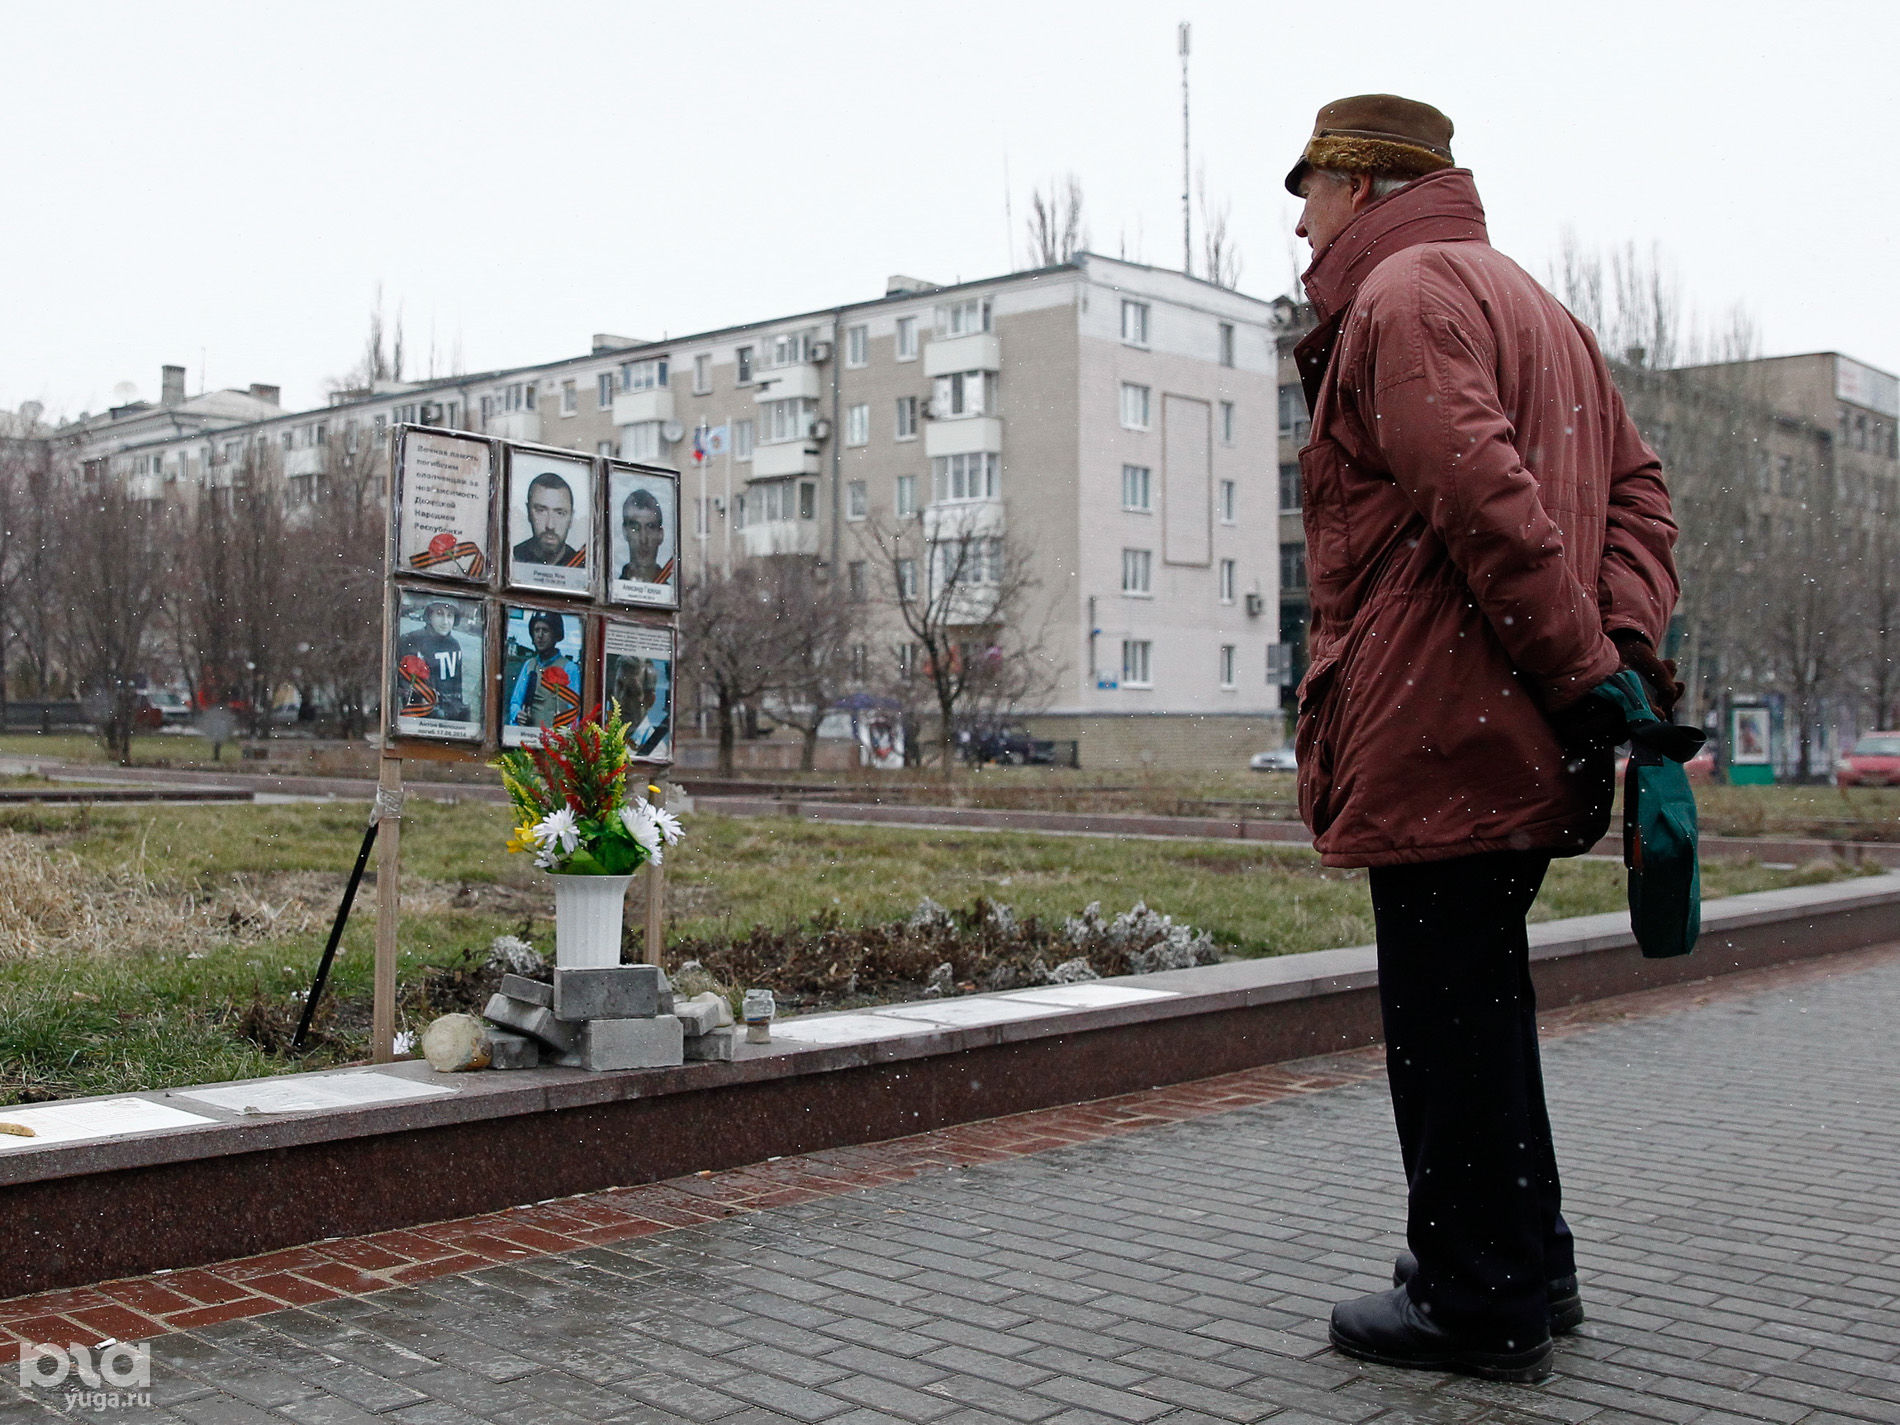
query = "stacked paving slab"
{"x": 618, "y": 1017}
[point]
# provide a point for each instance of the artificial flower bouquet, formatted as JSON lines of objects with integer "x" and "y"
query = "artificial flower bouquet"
{"x": 570, "y": 794}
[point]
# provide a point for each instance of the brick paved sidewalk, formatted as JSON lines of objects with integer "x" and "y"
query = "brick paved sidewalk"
{"x": 1732, "y": 1158}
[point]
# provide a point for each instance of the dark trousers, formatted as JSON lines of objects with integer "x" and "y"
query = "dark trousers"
{"x": 1484, "y": 1215}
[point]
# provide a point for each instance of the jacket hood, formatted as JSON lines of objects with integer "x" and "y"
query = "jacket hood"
{"x": 1440, "y": 207}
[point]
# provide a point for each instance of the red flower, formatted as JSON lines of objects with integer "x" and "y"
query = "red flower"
{"x": 442, "y": 545}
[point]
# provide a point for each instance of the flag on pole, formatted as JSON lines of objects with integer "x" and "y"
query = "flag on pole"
{"x": 718, "y": 440}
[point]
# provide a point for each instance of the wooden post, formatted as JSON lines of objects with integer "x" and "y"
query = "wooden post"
{"x": 388, "y": 905}
{"x": 656, "y": 902}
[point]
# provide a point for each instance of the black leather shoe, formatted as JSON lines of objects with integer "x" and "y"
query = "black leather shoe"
{"x": 1566, "y": 1302}
{"x": 1388, "y": 1329}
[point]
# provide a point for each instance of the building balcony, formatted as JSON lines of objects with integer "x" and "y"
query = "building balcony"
{"x": 785, "y": 457}
{"x": 515, "y": 425}
{"x": 964, "y": 519}
{"x": 980, "y": 351}
{"x": 790, "y": 383}
{"x": 769, "y": 537}
{"x": 962, "y": 435}
{"x": 635, "y": 407}
{"x": 305, "y": 461}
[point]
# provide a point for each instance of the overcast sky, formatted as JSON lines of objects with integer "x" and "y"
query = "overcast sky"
{"x": 225, "y": 186}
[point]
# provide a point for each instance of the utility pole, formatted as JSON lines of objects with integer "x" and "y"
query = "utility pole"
{"x": 1187, "y": 227}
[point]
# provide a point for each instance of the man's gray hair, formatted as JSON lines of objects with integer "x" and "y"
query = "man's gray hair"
{"x": 1384, "y": 185}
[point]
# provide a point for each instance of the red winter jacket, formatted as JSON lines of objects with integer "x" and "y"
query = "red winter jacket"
{"x": 1480, "y": 512}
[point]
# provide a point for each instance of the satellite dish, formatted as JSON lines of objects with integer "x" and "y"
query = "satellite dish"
{"x": 672, "y": 431}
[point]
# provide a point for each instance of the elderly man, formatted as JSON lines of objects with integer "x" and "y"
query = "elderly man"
{"x": 1488, "y": 538}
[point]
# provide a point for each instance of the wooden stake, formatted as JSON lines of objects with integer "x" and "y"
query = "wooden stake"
{"x": 656, "y": 903}
{"x": 388, "y": 905}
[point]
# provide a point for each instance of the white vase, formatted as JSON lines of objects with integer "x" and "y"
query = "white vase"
{"x": 587, "y": 913}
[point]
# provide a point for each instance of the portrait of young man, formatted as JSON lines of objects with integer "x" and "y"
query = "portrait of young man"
{"x": 551, "y": 514}
{"x": 644, "y": 542}
{"x": 438, "y": 667}
{"x": 542, "y": 674}
{"x": 1488, "y": 539}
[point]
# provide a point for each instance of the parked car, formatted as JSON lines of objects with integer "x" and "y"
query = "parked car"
{"x": 1280, "y": 759}
{"x": 1874, "y": 761}
{"x": 1008, "y": 745}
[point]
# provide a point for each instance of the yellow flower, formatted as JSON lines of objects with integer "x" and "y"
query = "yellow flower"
{"x": 653, "y": 789}
{"x": 523, "y": 839}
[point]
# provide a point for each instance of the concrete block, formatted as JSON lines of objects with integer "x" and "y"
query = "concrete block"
{"x": 632, "y": 1043}
{"x": 614, "y": 992}
{"x": 508, "y": 1050}
{"x": 697, "y": 1018}
{"x": 532, "y": 1019}
{"x": 718, "y": 1004}
{"x": 717, "y": 1045}
{"x": 526, "y": 990}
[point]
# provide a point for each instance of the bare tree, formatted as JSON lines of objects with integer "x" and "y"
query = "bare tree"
{"x": 35, "y": 538}
{"x": 967, "y": 600}
{"x": 817, "y": 630}
{"x": 114, "y": 567}
{"x": 1880, "y": 587}
{"x": 382, "y": 357}
{"x": 337, "y": 526}
{"x": 730, "y": 643}
{"x": 1056, "y": 230}
{"x": 1220, "y": 254}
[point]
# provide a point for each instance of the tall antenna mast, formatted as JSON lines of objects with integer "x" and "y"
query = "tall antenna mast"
{"x": 1187, "y": 227}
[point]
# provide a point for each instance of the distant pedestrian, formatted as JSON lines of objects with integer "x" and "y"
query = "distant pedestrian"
{"x": 1488, "y": 538}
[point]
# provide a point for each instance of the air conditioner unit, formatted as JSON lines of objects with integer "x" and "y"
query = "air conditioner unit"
{"x": 821, "y": 351}
{"x": 1255, "y": 605}
{"x": 821, "y": 429}
{"x": 431, "y": 413}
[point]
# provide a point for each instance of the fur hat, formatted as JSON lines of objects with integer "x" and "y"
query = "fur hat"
{"x": 1380, "y": 134}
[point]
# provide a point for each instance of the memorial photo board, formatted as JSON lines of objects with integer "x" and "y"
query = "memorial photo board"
{"x": 445, "y": 495}
{"x": 637, "y": 673}
{"x": 542, "y": 683}
{"x": 550, "y": 521}
{"x": 642, "y": 536}
{"x": 439, "y": 666}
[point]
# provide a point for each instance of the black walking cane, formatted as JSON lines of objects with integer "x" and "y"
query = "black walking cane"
{"x": 336, "y": 934}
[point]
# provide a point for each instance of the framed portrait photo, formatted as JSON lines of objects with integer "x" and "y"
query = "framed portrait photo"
{"x": 445, "y": 496}
{"x": 636, "y": 671}
{"x": 550, "y": 521}
{"x": 642, "y": 538}
{"x": 439, "y": 666}
{"x": 542, "y": 685}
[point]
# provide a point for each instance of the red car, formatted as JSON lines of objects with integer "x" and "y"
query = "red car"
{"x": 1874, "y": 762}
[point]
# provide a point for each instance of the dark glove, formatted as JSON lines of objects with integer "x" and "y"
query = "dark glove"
{"x": 1658, "y": 674}
{"x": 1590, "y": 722}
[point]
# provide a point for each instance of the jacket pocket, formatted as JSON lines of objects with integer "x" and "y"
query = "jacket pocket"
{"x": 1323, "y": 507}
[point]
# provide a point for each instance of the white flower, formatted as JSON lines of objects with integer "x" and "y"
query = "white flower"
{"x": 669, "y": 825}
{"x": 557, "y": 830}
{"x": 644, "y": 828}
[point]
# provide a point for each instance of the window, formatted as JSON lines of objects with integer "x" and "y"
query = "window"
{"x": 1227, "y": 665}
{"x": 289, "y": 439}
{"x": 906, "y": 496}
{"x": 742, "y": 365}
{"x": 857, "y": 345}
{"x": 1227, "y": 422}
{"x": 854, "y": 580}
{"x": 739, "y": 512}
{"x": 1135, "y": 323}
{"x": 770, "y": 501}
{"x": 965, "y": 563}
{"x": 1134, "y": 406}
{"x": 966, "y": 393}
{"x": 964, "y": 477}
{"x": 1226, "y": 343}
{"x": 907, "y": 338}
{"x": 742, "y": 440}
{"x": 1137, "y": 571}
{"x": 908, "y": 657}
{"x": 857, "y": 501}
{"x": 789, "y": 419}
{"x": 1226, "y": 497}
{"x": 907, "y": 418}
{"x": 570, "y": 399}
{"x": 1137, "y": 488}
{"x": 604, "y": 447}
{"x": 907, "y": 582}
{"x": 1135, "y": 653}
{"x": 1289, "y": 486}
{"x": 1227, "y": 581}
{"x": 857, "y": 425}
{"x": 807, "y": 500}
{"x": 964, "y": 318}
{"x": 640, "y": 441}
{"x": 648, "y": 375}
{"x": 1293, "y": 566}
{"x": 702, "y": 373}
{"x": 792, "y": 348}
{"x": 603, "y": 391}
{"x": 1293, "y": 417}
